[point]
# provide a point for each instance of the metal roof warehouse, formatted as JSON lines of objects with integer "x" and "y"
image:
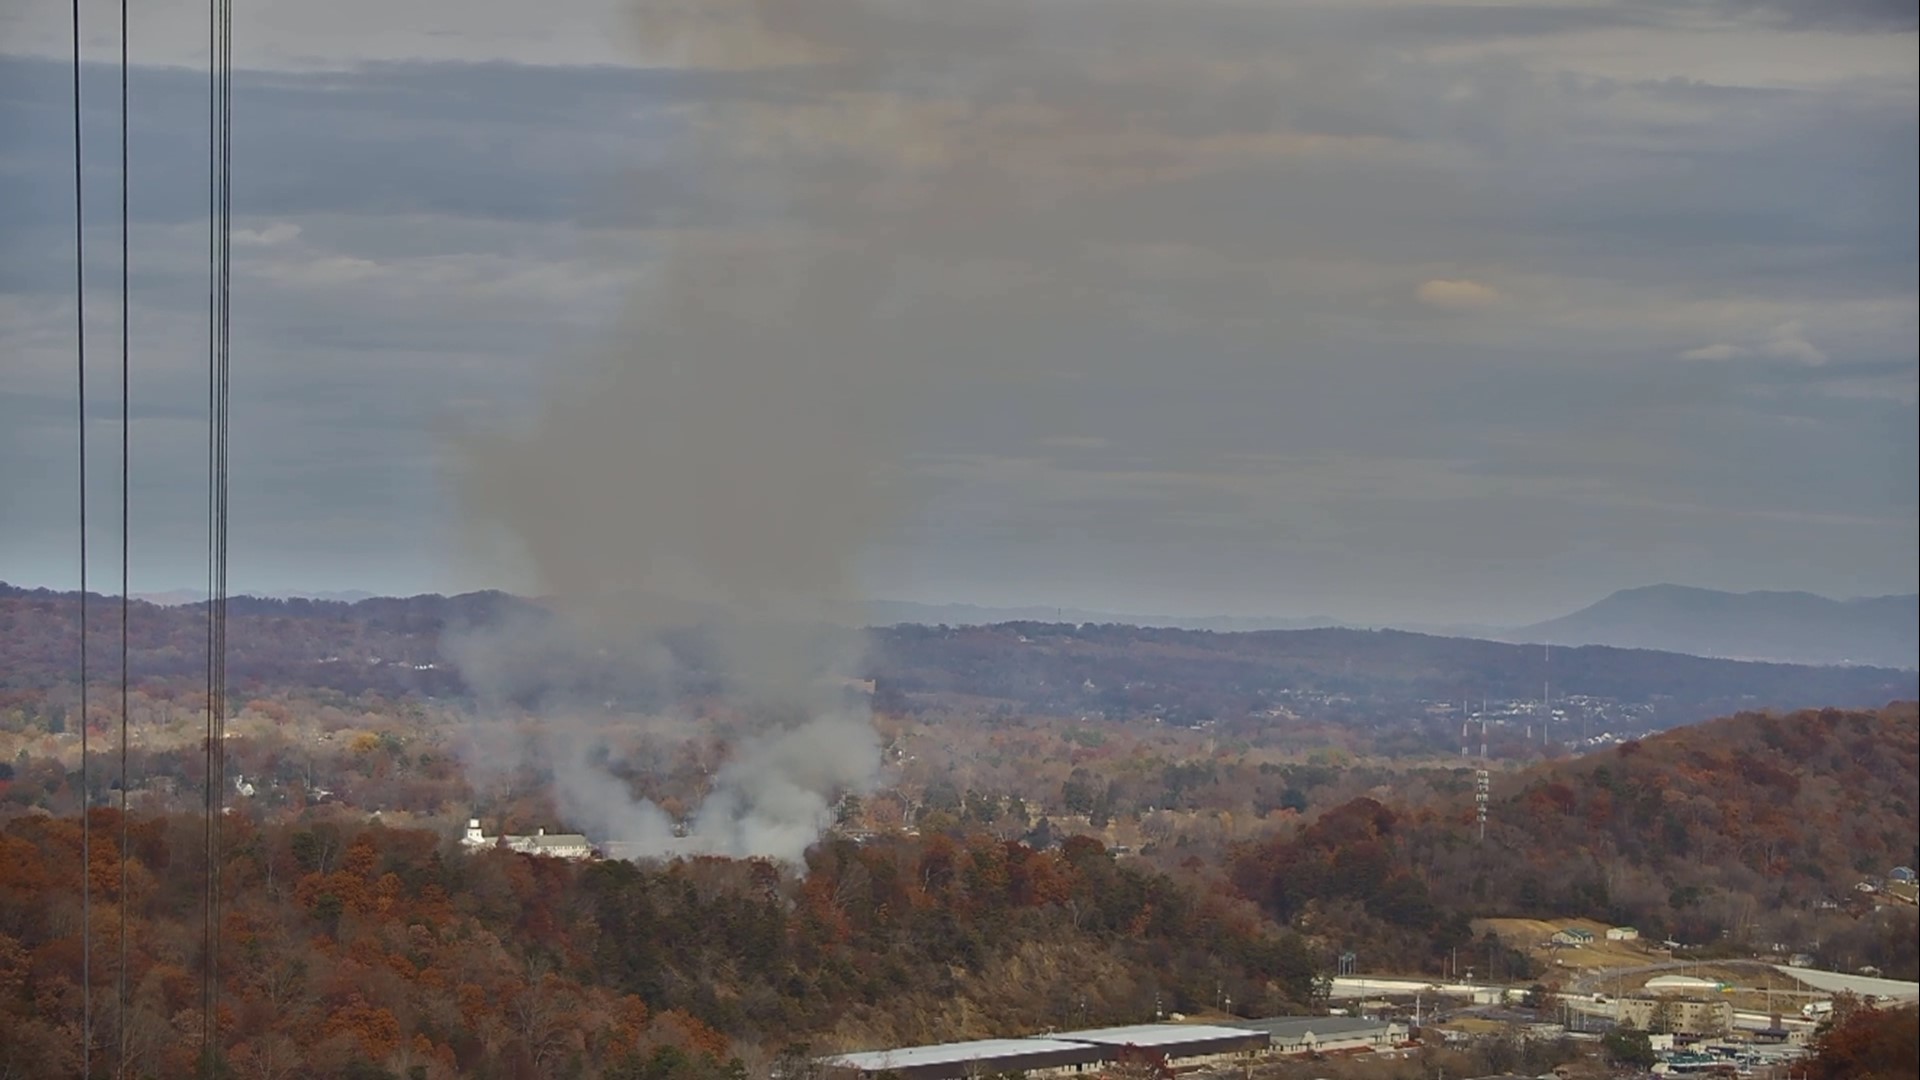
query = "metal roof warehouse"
{"x": 1175, "y": 1040}
{"x": 1295, "y": 1033}
{"x": 949, "y": 1060}
{"x": 1066, "y": 1051}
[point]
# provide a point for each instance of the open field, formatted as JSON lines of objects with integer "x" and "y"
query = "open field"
{"x": 1533, "y": 936}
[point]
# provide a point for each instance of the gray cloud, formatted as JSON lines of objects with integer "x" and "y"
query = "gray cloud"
{"x": 1852, "y": 16}
{"x": 1209, "y": 250}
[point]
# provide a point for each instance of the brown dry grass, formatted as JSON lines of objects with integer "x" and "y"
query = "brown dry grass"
{"x": 1532, "y": 936}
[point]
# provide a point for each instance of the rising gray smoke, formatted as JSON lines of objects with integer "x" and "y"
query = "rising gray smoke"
{"x": 890, "y": 192}
{"x": 715, "y": 468}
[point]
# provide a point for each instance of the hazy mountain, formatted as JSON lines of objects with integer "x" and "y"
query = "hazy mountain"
{"x": 897, "y": 612}
{"x": 1785, "y": 627}
{"x": 1794, "y": 627}
{"x": 340, "y": 596}
{"x": 178, "y": 597}
{"x": 172, "y": 598}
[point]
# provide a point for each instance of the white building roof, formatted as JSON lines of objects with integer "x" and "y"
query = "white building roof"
{"x": 910, "y": 1057}
{"x": 1682, "y": 982}
{"x": 1152, "y": 1034}
{"x": 1288, "y": 1028}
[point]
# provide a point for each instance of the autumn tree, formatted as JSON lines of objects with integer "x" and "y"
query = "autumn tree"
{"x": 1868, "y": 1043}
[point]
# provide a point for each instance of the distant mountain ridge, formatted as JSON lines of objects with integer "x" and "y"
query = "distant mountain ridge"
{"x": 179, "y": 597}
{"x": 898, "y": 612}
{"x": 1773, "y": 627}
{"x": 397, "y": 646}
{"x": 1790, "y": 627}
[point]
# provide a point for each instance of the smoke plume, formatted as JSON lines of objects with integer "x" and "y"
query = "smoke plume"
{"x": 710, "y": 475}
{"x": 890, "y": 195}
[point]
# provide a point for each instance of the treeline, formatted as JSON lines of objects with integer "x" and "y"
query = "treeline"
{"x": 360, "y": 950}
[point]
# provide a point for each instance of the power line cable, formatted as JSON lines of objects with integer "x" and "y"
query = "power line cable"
{"x": 219, "y": 409}
{"x": 213, "y": 348}
{"x": 213, "y": 296}
{"x": 126, "y": 527}
{"x": 80, "y": 377}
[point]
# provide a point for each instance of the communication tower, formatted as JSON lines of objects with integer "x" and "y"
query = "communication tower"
{"x": 1480, "y": 788}
{"x": 1546, "y": 693}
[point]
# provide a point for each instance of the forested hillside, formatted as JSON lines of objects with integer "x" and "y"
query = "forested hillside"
{"x": 1743, "y": 831}
{"x": 1810, "y": 801}
{"x": 353, "y": 946}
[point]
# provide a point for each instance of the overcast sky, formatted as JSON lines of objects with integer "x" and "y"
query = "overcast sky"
{"x": 1381, "y": 309}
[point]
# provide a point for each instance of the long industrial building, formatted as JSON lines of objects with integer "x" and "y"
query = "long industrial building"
{"x": 1325, "y": 1034}
{"x": 1040, "y": 1056}
{"x": 1184, "y": 1044}
{"x": 1053, "y": 1054}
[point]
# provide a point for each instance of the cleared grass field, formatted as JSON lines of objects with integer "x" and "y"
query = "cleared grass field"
{"x": 1533, "y": 937}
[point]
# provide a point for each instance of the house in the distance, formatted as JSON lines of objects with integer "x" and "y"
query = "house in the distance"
{"x": 557, "y": 845}
{"x": 1623, "y": 933}
{"x": 1573, "y": 935}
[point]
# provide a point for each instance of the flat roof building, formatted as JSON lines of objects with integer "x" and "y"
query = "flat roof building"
{"x": 1053, "y": 1053}
{"x": 950, "y": 1061}
{"x": 1177, "y": 1041}
{"x": 1299, "y": 1034}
